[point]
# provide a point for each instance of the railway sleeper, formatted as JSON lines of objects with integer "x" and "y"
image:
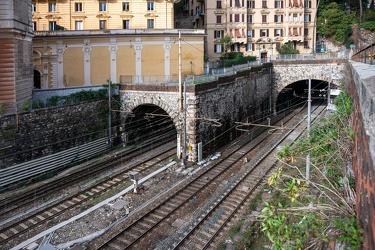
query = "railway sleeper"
{"x": 114, "y": 246}
{"x": 150, "y": 220}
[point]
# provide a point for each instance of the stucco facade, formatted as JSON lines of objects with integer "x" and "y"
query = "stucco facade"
{"x": 101, "y": 14}
{"x": 87, "y": 58}
{"x": 257, "y": 28}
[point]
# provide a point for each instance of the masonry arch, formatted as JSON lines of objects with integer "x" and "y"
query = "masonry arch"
{"x": 148, "y": 120}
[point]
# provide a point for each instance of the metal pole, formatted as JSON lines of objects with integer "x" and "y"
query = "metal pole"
{"x": 109, "y": 115}
{"x": 184, "y": 159}
{"x": 180, "y": 98}
{"x": 308, "y": 129}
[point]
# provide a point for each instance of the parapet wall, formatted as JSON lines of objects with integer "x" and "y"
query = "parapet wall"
{"x": 362, "y": 91}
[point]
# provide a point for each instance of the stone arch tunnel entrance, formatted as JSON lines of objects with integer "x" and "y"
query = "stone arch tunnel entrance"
{"x": 296, "y": 94}
{"x": 148, "y": 122}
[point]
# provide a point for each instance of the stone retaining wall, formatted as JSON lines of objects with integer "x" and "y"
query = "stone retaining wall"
{"x": 362, "y": 91}
{"x": 41, "y": 132}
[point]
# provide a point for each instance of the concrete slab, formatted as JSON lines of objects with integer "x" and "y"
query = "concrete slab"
{"x": 120, "y": 204}
{"x": 178, "y": 223}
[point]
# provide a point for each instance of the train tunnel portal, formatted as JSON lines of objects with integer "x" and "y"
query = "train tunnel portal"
{"x": 296, "y": 93}
{"x": 148, "y": 123}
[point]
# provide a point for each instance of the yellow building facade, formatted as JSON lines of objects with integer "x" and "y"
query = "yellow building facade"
{"x": 88, "y": 58}
{"x": 50, "y": 15}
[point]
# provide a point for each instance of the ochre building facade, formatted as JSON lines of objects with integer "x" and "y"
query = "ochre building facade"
{"x": 50, "y": 15}
{"x": 86, "y": 58}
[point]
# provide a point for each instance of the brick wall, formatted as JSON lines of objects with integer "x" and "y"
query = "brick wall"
{"x": 361, "y": 89}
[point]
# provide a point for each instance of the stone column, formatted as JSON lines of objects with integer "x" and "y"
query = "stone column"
{"x": 60, "y": 64}
{"x": 167, "y": 62}
{"x": 113, "y": 50}
{"x": 138, "y": 60}
{"x": 86, "y": 68}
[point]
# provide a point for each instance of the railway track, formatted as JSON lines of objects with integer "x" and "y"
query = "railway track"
{"x": 10, "y": 203}
{"x": 143, "y": 231}
{"x": 205, "y": 229}
{"x": 29, "y": 224}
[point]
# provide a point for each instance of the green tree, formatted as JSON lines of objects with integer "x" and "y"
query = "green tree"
{"x": 226, "y": 42}
{"x": 286, "y": 49}
{"x": 334, "y": 22}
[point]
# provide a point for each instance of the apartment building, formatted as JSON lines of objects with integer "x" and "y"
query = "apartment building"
{"x": 257, "y": 27}
{"x": 50, "y": 15}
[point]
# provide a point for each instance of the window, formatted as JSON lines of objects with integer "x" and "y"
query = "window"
{"x": 218, "y": 19}
{"x": 264, "y": 4}
{"x": 126, "y": 24}
{"x": 102, "y": 24}
{"x": 230, "y": 18}
{"x": 250, "y": 33}
{"x": 33, "y": 7}
{"x": 237, "y": 3}
{"x": 250, "y": 47}
{"x": 236, "y": 18}
{"x": 307, "y": 18}
{"x": 306, "y": 31}
{"x": 279, "y": 4}
{"x": 218, "y": 4}
{"x": 306, "y": 45}
{"x": 102, "y": 6}
{"x": 249, "y": 18}
{"x": 34, "y": 26}
{"x": 79, "y": 25}
{"x": 125, "y": 6}
{"x": 78, "y": 7}
{"x": 264, "y": 32}
{"x": 52, "y": 7}
{"x": 150, "y": 5}
{"x": 278, "y": 18}
{"x": 217, "y": 48}
{"x": 218, "y": 33}
{"x": 264, "y": 18}
{"x": 250, "y": 4}
{"x": 235, "y": 47}
{"x": 295, "y": 32}
{"x": 52, "y": 26}
{"x": 307, "y": 4}
{"x": 278, "y": 32}
{"x": 150, "y": 23}
{"x": 295, "y": 17}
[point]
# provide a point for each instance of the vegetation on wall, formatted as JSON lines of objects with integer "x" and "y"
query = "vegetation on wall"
{"x": 73, "y": 98}
{"x": 312, "y": 213}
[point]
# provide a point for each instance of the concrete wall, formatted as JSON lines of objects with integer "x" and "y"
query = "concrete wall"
{"x": 37, "y": 133}
{"x": 362, "y": 90}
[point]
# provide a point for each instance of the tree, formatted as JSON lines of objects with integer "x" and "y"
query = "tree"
{"x": 226, "y": 42}
{"x": 286, "y": 49}
{"x": 336, "y": 23}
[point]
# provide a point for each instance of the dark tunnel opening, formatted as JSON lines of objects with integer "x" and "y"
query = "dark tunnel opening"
{"x": 296, "y": 94}
{"x": 148, "y": 122}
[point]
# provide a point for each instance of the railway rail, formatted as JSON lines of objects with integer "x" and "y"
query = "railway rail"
{"x": 145, "y": 229}
{"x": 9, "y": 203}
{"x": 31, "y": 222}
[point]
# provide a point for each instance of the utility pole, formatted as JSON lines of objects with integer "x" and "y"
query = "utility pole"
{"x": 180, "y": 154}
{"x": 308, "y": 130}
{"x": 109, "y": 115}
